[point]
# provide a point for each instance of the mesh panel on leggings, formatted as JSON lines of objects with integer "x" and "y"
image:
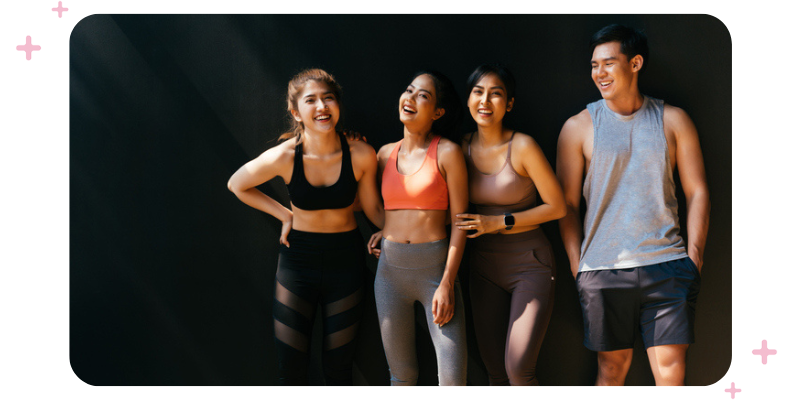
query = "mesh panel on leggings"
{"x": 341, "y": 320}
{"x": 293, "y": 316}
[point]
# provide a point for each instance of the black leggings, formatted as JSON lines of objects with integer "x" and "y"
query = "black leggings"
{"x": 326, "y": 269}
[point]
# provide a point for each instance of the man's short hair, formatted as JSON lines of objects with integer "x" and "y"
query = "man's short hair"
{"x": 631, "y": 41}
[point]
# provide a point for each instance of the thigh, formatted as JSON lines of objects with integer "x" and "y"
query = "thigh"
{"x": 669, "y": 297}
{"x": 610, "y": 303}
{"x": 296, "y": 294}
{"x": 449, "y": 342}
{"x": 343, "y": 281}
{"x": 668, "y": 363}
{"x": 395, "y": 309}
{"x": 490, "y": 313}
{"x": 529, "y": 317}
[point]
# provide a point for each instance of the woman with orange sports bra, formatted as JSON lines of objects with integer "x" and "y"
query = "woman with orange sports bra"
{"x": 321, "y": 258}
{"x": 423, "y": 178}
{"x": 512, "y": 271}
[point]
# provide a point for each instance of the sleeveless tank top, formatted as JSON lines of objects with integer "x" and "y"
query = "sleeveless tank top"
{"x": 422, "y": 190}
{"x": 500, "y": 192}
{"x": 631, "y": 210}
{"x": 339, "y": 195}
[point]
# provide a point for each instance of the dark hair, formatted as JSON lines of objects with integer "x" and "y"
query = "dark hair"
{"x": 498, "y": 69}
{"x": 631, "y": 41}
{"x": 446, "y": 97}
{"x": 295, "y": 89}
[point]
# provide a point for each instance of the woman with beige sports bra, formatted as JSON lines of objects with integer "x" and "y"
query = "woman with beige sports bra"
{"x": 423, "y": 178}
{"x": 512, "y": 271}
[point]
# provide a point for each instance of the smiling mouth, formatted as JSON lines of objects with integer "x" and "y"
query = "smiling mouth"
{"x": 323, "y": 118}
{"x": 409, "y": 110}
{"x": 604, "y": 84}
{"x": 485, "y": 112}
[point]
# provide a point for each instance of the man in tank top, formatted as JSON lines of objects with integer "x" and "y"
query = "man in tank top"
{"x": 634, "y": 272}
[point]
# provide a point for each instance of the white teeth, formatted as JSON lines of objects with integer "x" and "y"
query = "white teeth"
{"x": 487, "y": 112}
{"x": 604, "y": 84}
{"x": 408, "y": 109}
{"x": 322, "y": 117}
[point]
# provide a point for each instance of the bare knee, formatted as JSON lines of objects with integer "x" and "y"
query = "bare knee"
{"x": 668, "y": 364}
{"x": 612, "y": 367}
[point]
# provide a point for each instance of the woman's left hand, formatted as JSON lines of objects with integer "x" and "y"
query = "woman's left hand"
{"x": 444, "y": 301}
{"x": 479, "y": 223}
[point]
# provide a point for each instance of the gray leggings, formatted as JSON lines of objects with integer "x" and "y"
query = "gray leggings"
{"x": 409, "y": 273}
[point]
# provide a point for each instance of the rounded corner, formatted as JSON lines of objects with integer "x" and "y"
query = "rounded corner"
{"x": 725, "y": 27}
{"x": 77, "y": 375}
{"x": 81, "y": 22}
{"x": 723, "y": 374}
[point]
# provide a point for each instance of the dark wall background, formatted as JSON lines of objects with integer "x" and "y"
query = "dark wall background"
{"x": 171, "y": 277}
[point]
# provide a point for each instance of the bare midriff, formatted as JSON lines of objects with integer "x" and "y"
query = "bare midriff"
{"x": 415, "y": 226}
{"x": 324, "y": 221}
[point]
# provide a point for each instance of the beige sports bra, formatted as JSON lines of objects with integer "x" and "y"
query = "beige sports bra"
{"x": 501, "y": 192}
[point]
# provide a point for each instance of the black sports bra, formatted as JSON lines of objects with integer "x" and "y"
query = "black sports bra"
{"x": 339, "y": 195}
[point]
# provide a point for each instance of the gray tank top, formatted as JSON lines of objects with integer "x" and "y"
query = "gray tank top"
{"x": 631, "y": 210}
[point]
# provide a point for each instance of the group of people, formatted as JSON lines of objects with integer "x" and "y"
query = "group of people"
{"x": 633, "y": 270}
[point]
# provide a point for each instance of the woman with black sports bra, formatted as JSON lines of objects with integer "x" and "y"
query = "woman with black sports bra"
{"x": 512, "y": 271}
{"x": 423, "y": 178}
{"x": 322, "y": 255}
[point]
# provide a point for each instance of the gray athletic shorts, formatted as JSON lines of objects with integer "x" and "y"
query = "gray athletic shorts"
{"x": 658, "y": 300}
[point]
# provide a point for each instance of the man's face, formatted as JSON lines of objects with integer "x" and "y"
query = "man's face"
{"x": 612, "y": 72}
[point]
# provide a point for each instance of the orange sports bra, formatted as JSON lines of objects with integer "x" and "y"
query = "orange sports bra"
{"x": 422, "y": 190}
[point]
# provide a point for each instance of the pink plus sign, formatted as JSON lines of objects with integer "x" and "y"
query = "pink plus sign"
{"x": 764, "y": 352}
{"x": 733, "y": 390}
{"x": 28, "y": 48}
{"x": 60, "y": 9}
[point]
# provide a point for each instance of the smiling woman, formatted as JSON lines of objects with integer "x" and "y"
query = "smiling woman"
{"x": 172, "y": 279}
{"x": 321, "y": 256}
{"x": 423, "y": 179}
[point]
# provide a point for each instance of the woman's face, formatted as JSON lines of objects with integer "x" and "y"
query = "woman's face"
{"x": 488, "y": 101}
{"x": 418, "y": 102}
{"x": 317, "y": 107}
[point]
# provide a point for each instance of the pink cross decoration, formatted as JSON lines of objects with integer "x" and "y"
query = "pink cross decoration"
{"x": 733, "y": 390}
{"x": 764, "y": 352}
{"x": 28, "y": 48}
{"x": 60, "y": 9}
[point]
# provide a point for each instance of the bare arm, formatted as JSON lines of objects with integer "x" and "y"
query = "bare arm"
{"x": 271, "y": 163}
{"x": 570, "y": 164}
{"x": 364, "y": 158}
{"x": 693, "y": 179}
{"x": 383, "y": 157}
{"x": 455, "y": 173}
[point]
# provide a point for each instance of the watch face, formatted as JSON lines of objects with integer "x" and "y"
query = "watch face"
{"x": 509, "y": 221}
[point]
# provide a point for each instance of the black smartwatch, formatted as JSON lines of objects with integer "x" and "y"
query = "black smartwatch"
{"x": 509, "y": 221}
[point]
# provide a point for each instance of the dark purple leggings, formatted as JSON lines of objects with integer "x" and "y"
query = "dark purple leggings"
{"x": 512, "y": 285}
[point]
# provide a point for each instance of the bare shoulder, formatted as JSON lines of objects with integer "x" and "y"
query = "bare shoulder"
{"x": 578, "y": 123}
{"x": 447, "y": 144}
{"x": 523, "y": 141}
{"x": 676, "y": 118}
{"x": 678, "y": 126}
{"x": 386, "y": 150}
{"x": 577, "y": 129}
{"x": 448, "y": 148}
{"x": 359, "y": 148}
{"x": 283, "y": 153}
